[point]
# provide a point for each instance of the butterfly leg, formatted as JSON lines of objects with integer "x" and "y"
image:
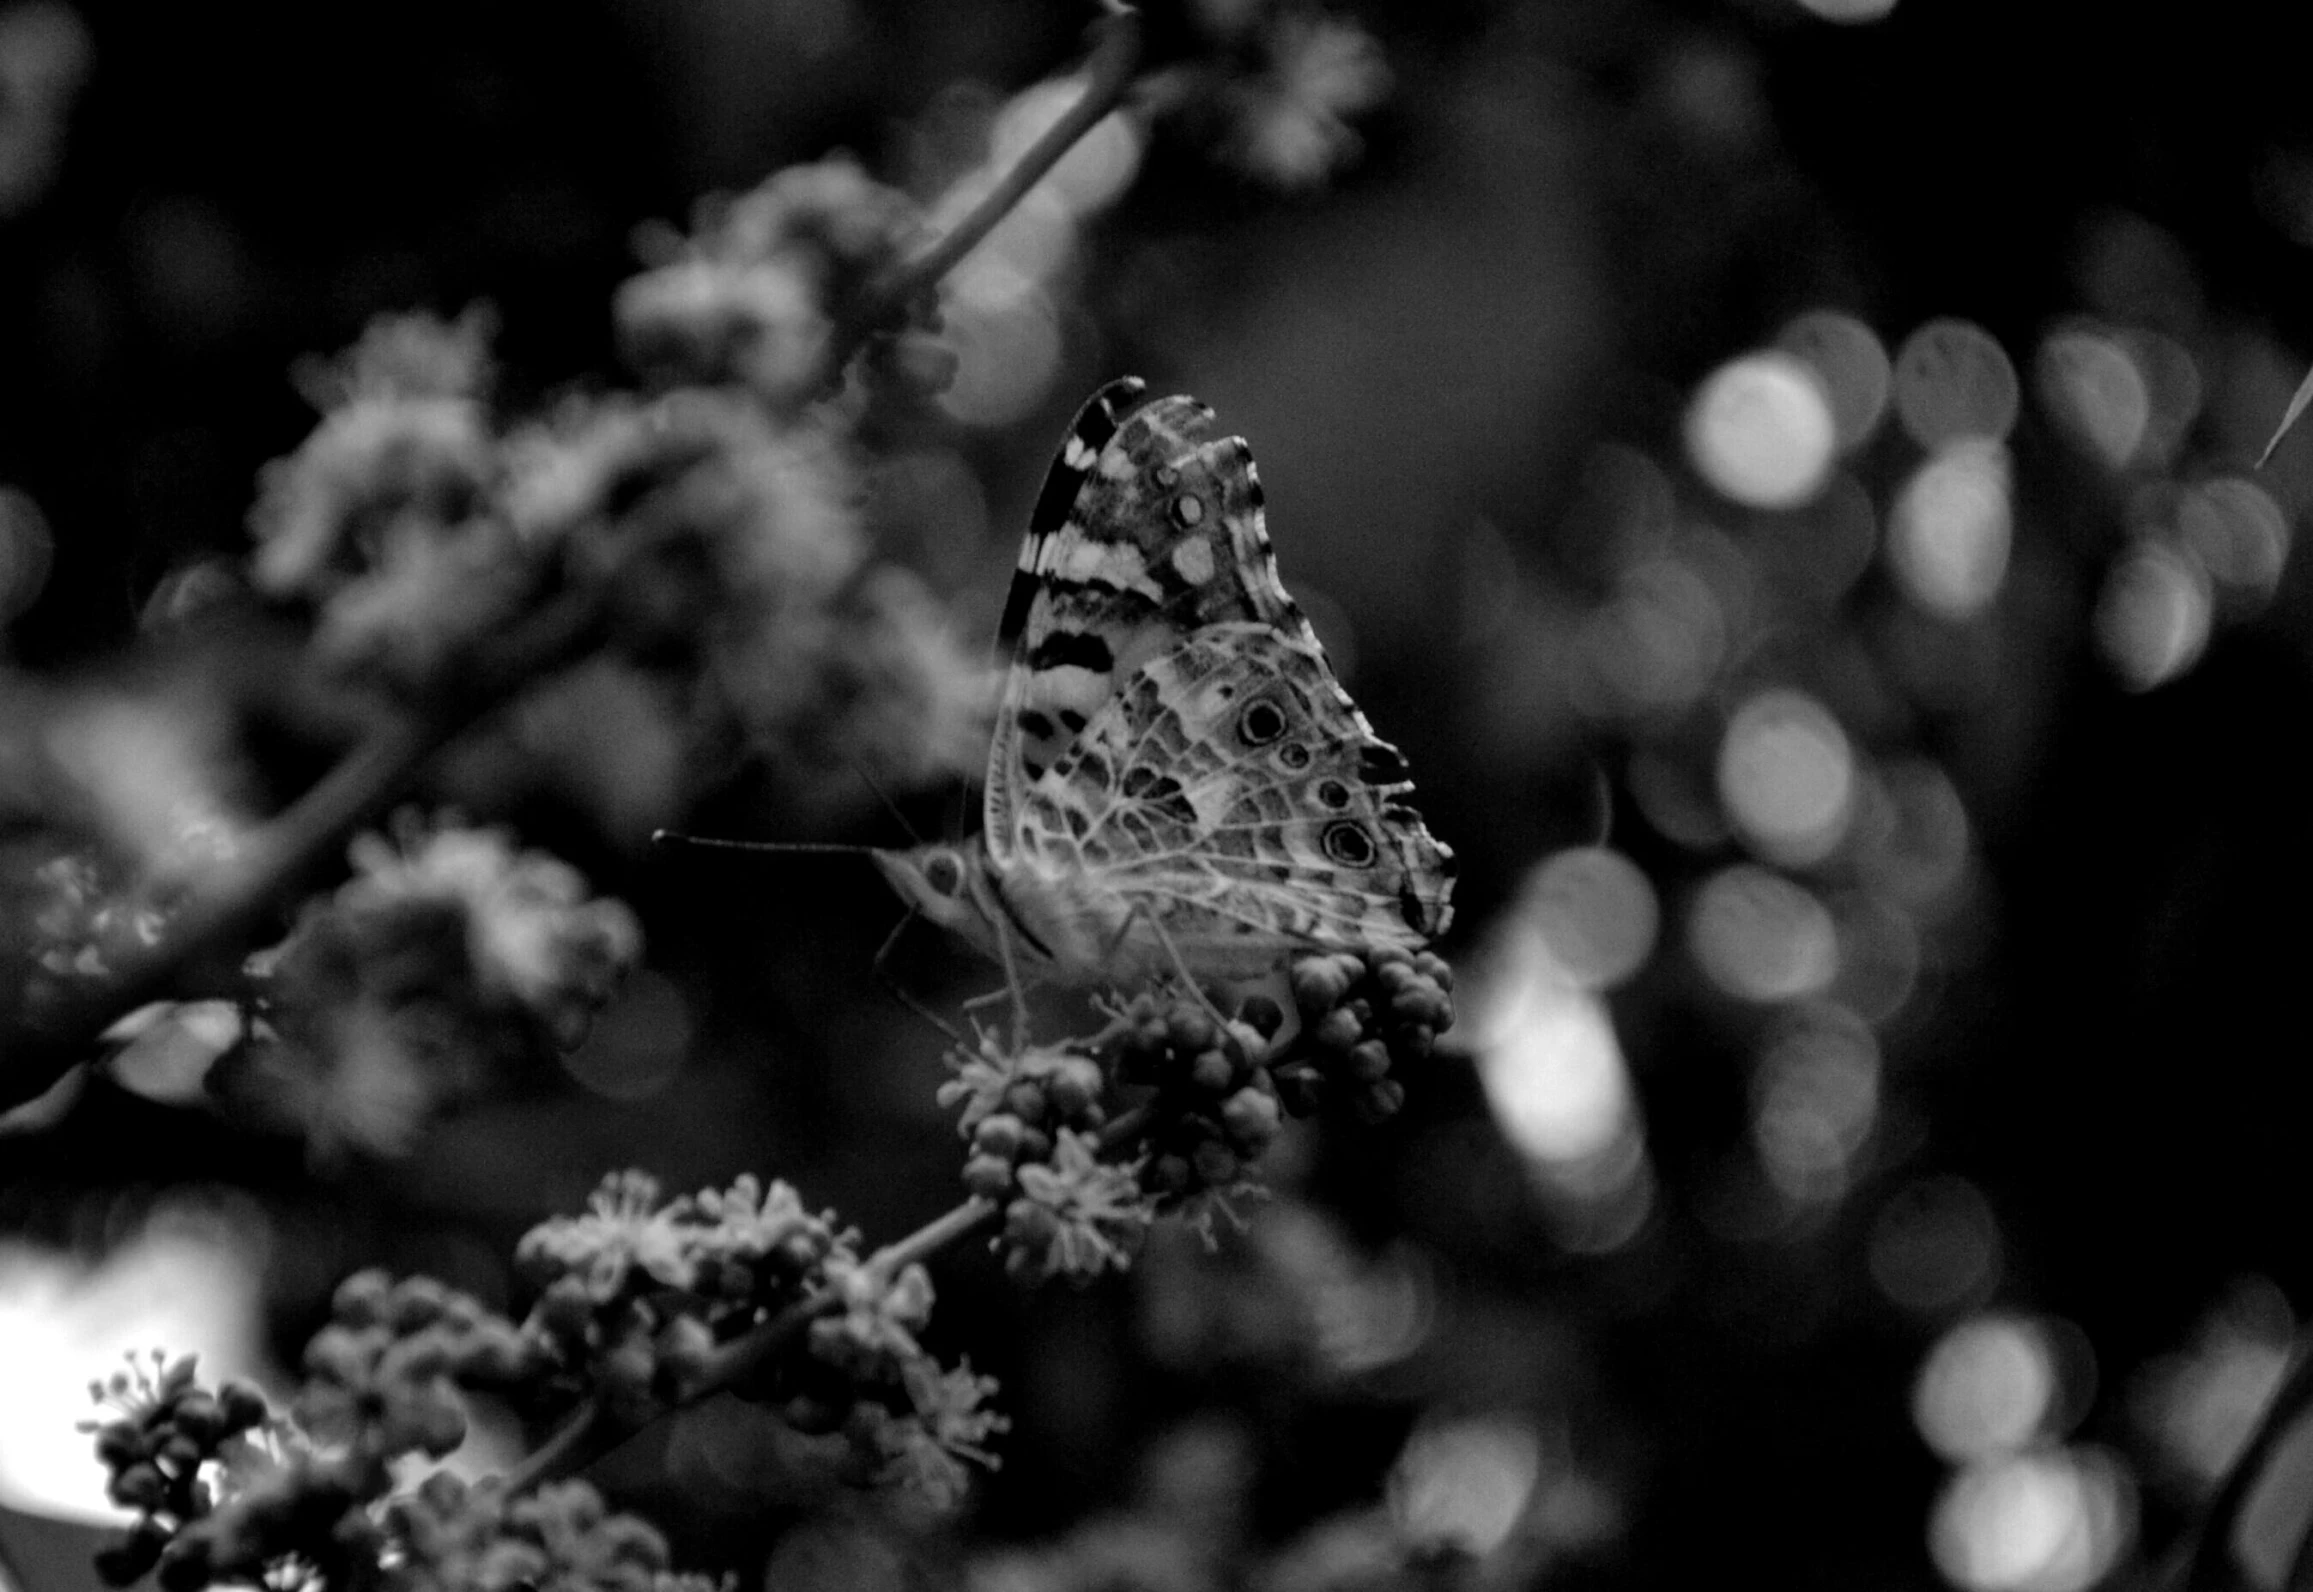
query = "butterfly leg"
{"x": 1013, "y": 985}
{"x": 899, "y": 991}
{"x": 1141, "y": 909}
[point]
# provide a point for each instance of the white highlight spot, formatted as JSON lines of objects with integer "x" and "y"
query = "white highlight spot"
{"x": 1193, "y": 560}
{"x": 1761, "y": 432}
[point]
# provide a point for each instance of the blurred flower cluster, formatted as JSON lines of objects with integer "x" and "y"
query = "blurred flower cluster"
{"x": 448, "y": 965}
{"x": 1273, "y": 93}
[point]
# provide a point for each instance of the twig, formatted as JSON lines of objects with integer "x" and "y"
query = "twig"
{"x": 281, "y": 852}
{"x": 1108, "y": 73}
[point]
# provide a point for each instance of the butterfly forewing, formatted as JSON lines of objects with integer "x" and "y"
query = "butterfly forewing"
{"x": 1148, "y": 528}
{"x": 1172, "y": 746}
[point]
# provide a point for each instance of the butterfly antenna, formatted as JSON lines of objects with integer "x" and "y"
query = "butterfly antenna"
{"x": 670, "y": 839}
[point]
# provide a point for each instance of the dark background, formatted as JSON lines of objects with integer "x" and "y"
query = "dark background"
{"x": 1566, "y": 216}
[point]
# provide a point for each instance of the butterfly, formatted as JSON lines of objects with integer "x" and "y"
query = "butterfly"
{"x": 1177, "y": 782}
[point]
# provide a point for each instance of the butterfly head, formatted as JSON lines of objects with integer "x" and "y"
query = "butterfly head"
{"x": 942, "y": 882}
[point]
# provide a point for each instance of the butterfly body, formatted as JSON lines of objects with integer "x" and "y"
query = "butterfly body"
{"x": 1176, "y": 776}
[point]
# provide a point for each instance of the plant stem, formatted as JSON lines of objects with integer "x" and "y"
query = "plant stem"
{"x": 1108, "y": 73}
{"x": 276, "y": 856}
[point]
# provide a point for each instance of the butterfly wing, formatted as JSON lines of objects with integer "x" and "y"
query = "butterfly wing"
{"x": 1148, "y": 529}
{"x": 1231, "y": 789}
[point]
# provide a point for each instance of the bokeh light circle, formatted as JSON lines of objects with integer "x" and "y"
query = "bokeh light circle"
{"x": 1948, "y": 537}
{"x": 2051, "y": 1520}
{"x": 1760, "y": 430}
{"x": 1851, "y": 364}
{"x": 2092, "y": 387}
{"x": 1757, "y": 935}
{"x": 27, "y": 551}
{"x": 1953, "y": 381}
{"x": 1935, "y": 1246}
{"x": 1988, "y": 1387}
{"x": 2237, "y": 533}
{"x": 2152, "y": 618}
{"x": 1596, "y": 911}
{"x": 1815, "y": 1098}
{"x": 1787, "y": 776}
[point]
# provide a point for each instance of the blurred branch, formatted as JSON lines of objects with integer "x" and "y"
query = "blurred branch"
{"x": 1108, "y": 73}
{"x": 279, "y": 854}
{"x": 369, "y": 778}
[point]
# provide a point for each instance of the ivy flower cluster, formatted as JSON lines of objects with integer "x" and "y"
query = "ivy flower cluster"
{"x": 1085, "y": 1142}
{"x": 642, "y": 1299}
{"x": 454, "y": 1537}
{"x": 161, "y": 1450}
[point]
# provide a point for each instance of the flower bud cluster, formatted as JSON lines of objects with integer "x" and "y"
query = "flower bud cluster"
{"x": 453, "y": 1537}
{"x": 641, "y": 1299}
{"x": 1216, "y": 1108}
{"x": 167, "y": 1431}
{"x": 382, "y": 1378}
{"x": 635, "y": 1293}
{"x": 1012, "y": 1103}
{"x": 1364, "y": 1018}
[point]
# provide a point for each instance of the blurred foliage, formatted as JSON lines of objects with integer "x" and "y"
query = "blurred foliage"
{"x": 1782, "y": 473}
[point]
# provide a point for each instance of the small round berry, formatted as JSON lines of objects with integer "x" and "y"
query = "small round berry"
{"x": 686, "y": 1347}
{"x": 1212, "y": 1071}
{"x": 1217, "y": 1165}
{"x": 989, "y": 1176}
{"x": 1337, "y": 1030}
{"x": 119, "y": 1444}
{"x": 141, "y": 1487}
{"x": 1379, "y": 1100}
{"x": 244, "y": 1405}
{"x": 1319, "y": 982}
{"x": 360, "y": 1300}
{"x": 1074, "y": 1087}
{"x": 1251, "y": 1117}
{"x": 416, "y": 1302}
{"x": 1369, "y": 1060}
{"x": 1030, "y": 1225}
{"x": 1025, "y": 1100}
{"x": 1189, "y": 1029}
{"x": 999, "y": 1135}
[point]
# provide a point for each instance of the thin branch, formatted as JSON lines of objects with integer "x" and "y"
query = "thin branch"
{"x": 1108, "y": 73}
{"x": 280, "y": 853}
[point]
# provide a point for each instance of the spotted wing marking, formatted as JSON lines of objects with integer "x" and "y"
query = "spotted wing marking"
{"x": 1230, "y": 789}
{"x": 1148, "y": 529}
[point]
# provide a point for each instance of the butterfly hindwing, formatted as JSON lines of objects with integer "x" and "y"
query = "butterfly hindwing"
{"x": 1229, "y": 787}
{"x": 1148, "y": 529}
